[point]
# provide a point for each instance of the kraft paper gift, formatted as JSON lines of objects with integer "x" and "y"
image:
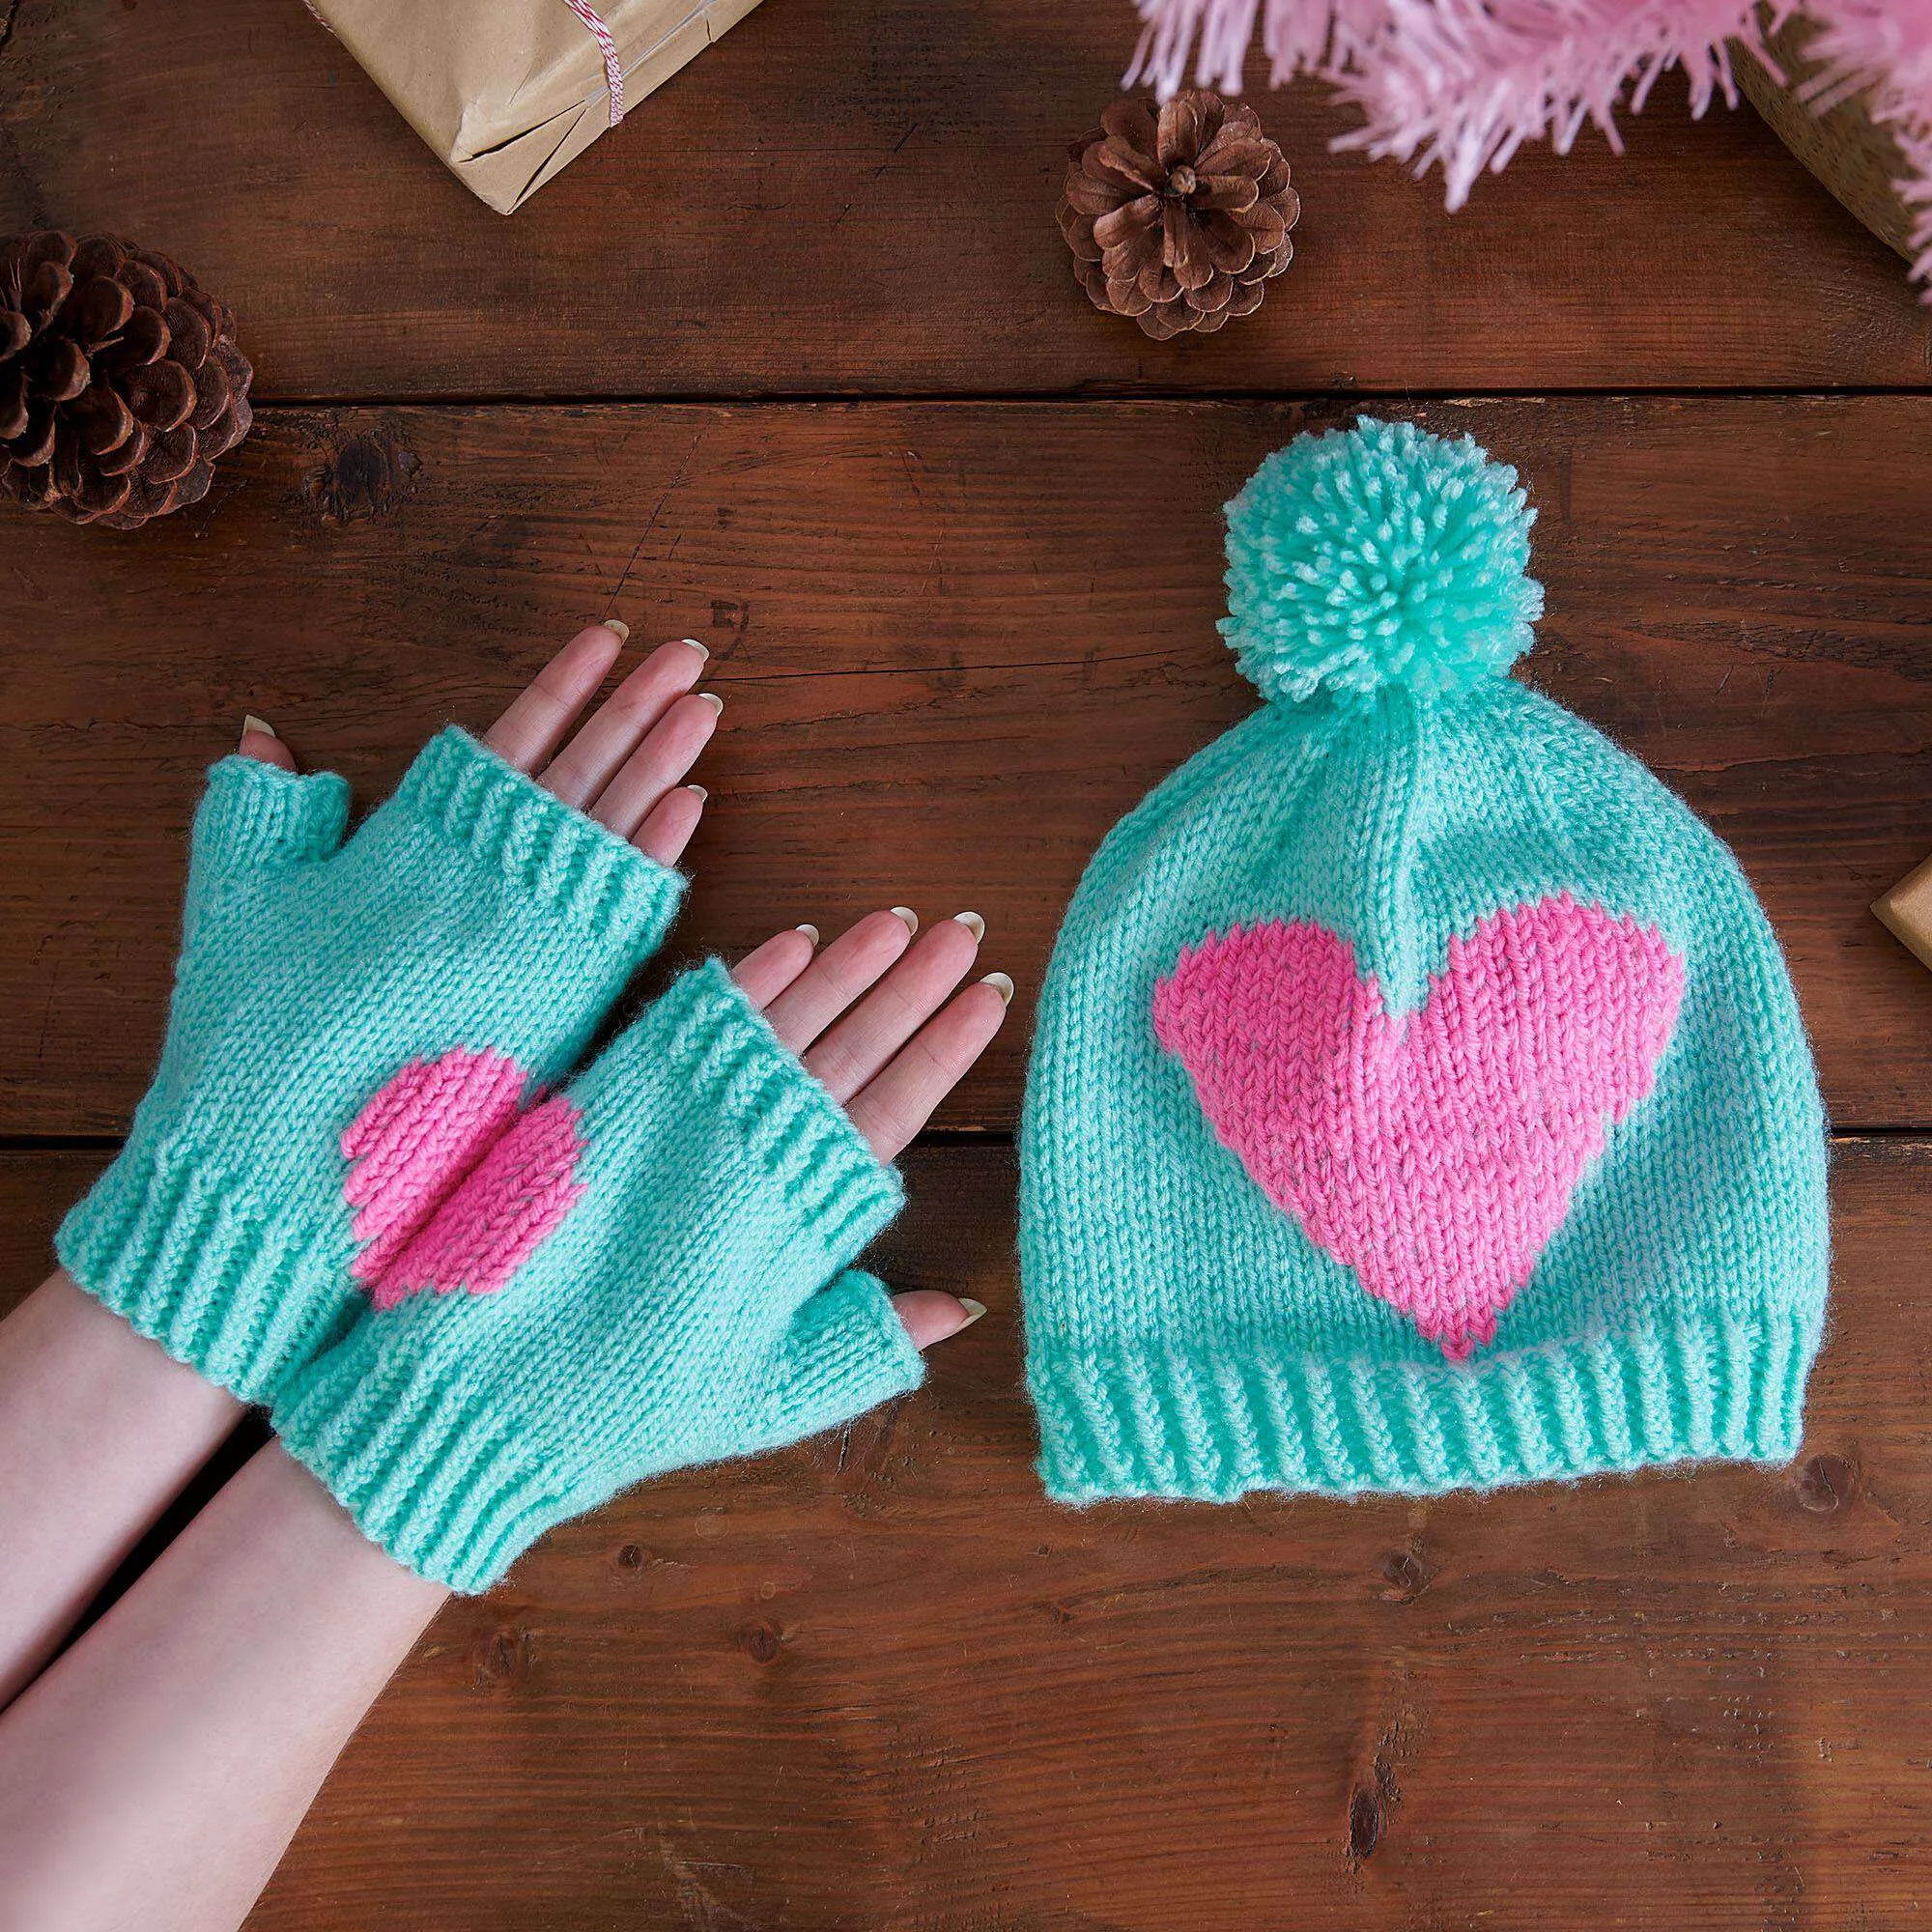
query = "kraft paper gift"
{"x": 510, "y": 92}
{"x": 1906, "y": 912}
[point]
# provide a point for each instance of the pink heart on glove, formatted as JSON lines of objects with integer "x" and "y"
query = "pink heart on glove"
{"x": 1435, "y": 1153}
{"x": 454, "y": 1184}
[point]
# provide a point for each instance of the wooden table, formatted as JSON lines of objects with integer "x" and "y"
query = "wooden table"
{"x": 794, "y": 364}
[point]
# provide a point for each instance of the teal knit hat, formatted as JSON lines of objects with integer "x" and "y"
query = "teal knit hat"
{"x": 1419, "y": 1100}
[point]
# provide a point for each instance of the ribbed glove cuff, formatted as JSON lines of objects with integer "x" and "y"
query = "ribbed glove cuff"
{"x": 457, "y": 1490}
{"x": 707, "y": 1044}
{"x": 507, "y": 823}
{"x": 228, "y": 1285}
{"x": 449, "y": 1487}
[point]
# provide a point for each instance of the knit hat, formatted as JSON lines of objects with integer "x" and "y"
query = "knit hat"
{"x": 1419, "y": 1100}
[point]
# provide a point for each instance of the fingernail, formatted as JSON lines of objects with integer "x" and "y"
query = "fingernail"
{"x": 702, "y": 794}
{"x": 810, "y": 930}
{"x": 711, "y": 699}
{"x": 696, "y": 646}
{"x": 974, "y": 1311}
{"x": 622, "y": 629}
{"x": 971, "y": 921}
{"x": 250, "y": 722}
{"x": 1001, "y": 985}
{"x": 910, "y": 917}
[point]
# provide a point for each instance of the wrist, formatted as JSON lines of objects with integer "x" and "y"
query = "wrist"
{"x": 99, "y": 1430}
{"x": 107, "y": 1365}
{"x": 321, "y": 1546}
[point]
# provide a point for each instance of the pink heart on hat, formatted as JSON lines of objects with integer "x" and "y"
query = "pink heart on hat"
{"x": 454, "y": 1184}
{"x": 1435, "y": 1153}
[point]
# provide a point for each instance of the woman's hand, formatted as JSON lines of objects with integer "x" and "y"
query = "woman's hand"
{"x": 869, "y": 1015}
{"x": 626, "y": 767}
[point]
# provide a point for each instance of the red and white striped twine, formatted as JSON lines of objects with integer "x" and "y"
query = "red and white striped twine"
{"x": 613, "y": 72}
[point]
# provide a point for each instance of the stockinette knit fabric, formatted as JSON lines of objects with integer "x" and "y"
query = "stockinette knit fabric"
{"x": 652, "y": 1269}
{"x": 353, "y": 1023}
{"x": 1419, "y": 1099}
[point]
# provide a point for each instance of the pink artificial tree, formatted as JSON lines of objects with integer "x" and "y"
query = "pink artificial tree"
{"x": 1466, "y": 82}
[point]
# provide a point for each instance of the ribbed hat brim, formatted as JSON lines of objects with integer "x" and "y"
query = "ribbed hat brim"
{"x": 1140, "y": 1422}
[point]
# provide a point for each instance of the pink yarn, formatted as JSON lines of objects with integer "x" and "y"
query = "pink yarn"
{"x": 1882, "y": 49}
{"x": 1466, "y": 82}
{"x": 454, "y": 1191}
{"x": 424, "y": 1129}
{"x": 499, "y": 1213}
{"x": 1435, "y": 1153}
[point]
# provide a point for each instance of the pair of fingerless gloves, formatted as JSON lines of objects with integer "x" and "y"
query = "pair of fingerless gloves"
{"x": 478, "y": 1303}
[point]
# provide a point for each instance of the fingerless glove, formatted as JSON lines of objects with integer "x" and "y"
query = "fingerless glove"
{"x": 652, "y": 1269}
{"x": 353, "y": 1025}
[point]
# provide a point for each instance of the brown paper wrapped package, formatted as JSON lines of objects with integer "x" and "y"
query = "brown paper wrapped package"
{"x": 510, "y": 92}
{"x": 1906, "y": 911}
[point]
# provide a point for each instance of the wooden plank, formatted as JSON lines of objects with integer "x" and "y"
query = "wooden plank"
{"x": 879, "y": 1681}
{"x": 957, "y": 643}
{"x": 36, "y": 1189}
{"x": 845, "y": 195}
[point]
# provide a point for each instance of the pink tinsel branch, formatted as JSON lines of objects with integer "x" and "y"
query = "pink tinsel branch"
{"x": 1463, "y": 83}
{"x": 1884, "y": 52}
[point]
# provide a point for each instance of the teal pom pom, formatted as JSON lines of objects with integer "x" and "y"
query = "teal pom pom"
{"x": 1378, "y": 555}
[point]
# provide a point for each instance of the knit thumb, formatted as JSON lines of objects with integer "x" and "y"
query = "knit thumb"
{"x": 846, "y": 1351}
{"x": 255, "y": 814}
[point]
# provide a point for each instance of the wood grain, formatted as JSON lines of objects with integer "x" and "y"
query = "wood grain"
{"x": 878, "y": 1681}
{"x": 957, "y": 641}
{"x": 858, "y": 195}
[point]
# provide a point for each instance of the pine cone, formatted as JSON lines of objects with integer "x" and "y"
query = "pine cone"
{"x": 1177, "y": 221}
{"x": 120, "y": 380}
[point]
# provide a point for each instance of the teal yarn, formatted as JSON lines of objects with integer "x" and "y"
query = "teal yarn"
{"x": 1374, "y": 556}
{"x": 1402, "y": 805}
{"x": 697, "y": 1302}
{"x": 472, "y": 909}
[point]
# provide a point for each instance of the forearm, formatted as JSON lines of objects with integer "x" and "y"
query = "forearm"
{"x": 155, "y": 1773}
{"x": 99, "y": 1430}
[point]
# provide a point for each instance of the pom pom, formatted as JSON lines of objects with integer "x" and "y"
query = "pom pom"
{"x": 1378, "y": 555}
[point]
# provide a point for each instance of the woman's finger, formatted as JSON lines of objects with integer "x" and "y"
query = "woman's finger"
{"x": 666, "y": 831}
{"x": 890, "y": 1110}
{"x": 854, "y": 961}
{"x": 534, "y": 724}
{"x": 930, "y": 1316}
{"x": 858, "y": 1046}
{"x": 586, "y": 765}
{"x": 668, "y": 750}
{"x": 767, "y": 970}
{"x": 259, "y": 741}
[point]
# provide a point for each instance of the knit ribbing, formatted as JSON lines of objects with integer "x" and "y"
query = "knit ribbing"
{"x": 448, "y": 1485}
{"x": 694, "y": 1303}
{"x": 188, "y": 1253}
{"x": 786, "y": 1128}
{"x": 1187, "y": 1423}
{"x": 513, "y": 828}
